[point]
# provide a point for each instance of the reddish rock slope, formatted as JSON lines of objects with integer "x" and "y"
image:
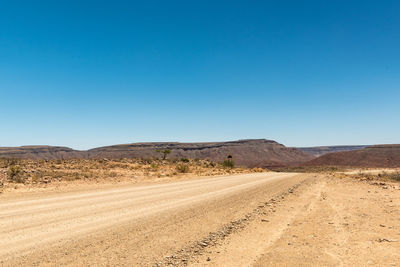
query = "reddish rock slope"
{"x": 373, "y": 156}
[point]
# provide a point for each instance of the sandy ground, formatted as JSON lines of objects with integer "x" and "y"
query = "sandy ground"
{"x": 241, "y": 220}
{"x": 329, "y": 222}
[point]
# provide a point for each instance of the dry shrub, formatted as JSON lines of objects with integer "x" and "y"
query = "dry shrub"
{"x": 15, "y": 174}
{"x": 395, "y": 176}
{"x": 228, "y": 163}
{"x": 182, "y": 168}
{"x": 112, "y": 174}
{"x": 185, "y": 160}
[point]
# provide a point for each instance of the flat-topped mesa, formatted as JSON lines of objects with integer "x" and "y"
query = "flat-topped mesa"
{"x": 249, "y": 152}
{"x": 39, "y": 152}
{"x": 198, "y": 144}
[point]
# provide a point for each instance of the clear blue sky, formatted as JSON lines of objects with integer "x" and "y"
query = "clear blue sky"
{"x": 92, "y": 73}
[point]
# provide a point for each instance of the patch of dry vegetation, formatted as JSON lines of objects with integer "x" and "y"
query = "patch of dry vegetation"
{"x": 381, "y": 176}
{"x": 312, "y": 169}
{"x": 363, "y": 174}
{"x": 39, "y": 172}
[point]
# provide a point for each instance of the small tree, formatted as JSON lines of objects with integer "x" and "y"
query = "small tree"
{"x": 165, "y": 152}
{"x": 228, "y": 163}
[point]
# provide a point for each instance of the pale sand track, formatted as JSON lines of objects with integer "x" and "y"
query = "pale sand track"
{"x": 30, "y": 224}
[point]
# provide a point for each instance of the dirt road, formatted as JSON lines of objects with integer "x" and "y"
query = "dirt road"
{"x": 30, "y": 227}
{"x": 240, "y": 220}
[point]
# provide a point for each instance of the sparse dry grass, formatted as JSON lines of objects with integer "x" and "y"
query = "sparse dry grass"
{"x": 381, "y": 176}
{"x": 39, "y": 172}
{"x": 348, "y": 172}
{"x": 312, "y": 169}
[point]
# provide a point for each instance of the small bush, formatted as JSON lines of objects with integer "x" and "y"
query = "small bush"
{"x": 396, "y": 176}
{"x": 112, "y": 174}
{"x": 15, "y": 173}
{"x": 37, "y": 177}
{"x": 147, "y": 161}
{"x": 228, "y": 163}
{"x": 7, "y": 162}
{"x": 182, "y": 168}
{"x": 154, "y": 166}
{"x": 186, "y": 160}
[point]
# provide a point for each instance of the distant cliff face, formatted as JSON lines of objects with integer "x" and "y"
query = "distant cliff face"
{"x": 318, "y": 151}
{"x": 250, "y": 153}
{"x": 373, "y": 156}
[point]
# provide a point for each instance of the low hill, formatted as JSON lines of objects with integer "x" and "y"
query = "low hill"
{"x": 385, "y": 156}
{"x": 250, "y": 153}
{"x": 318, "y": 151}
{"x": 40, "y": 152}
